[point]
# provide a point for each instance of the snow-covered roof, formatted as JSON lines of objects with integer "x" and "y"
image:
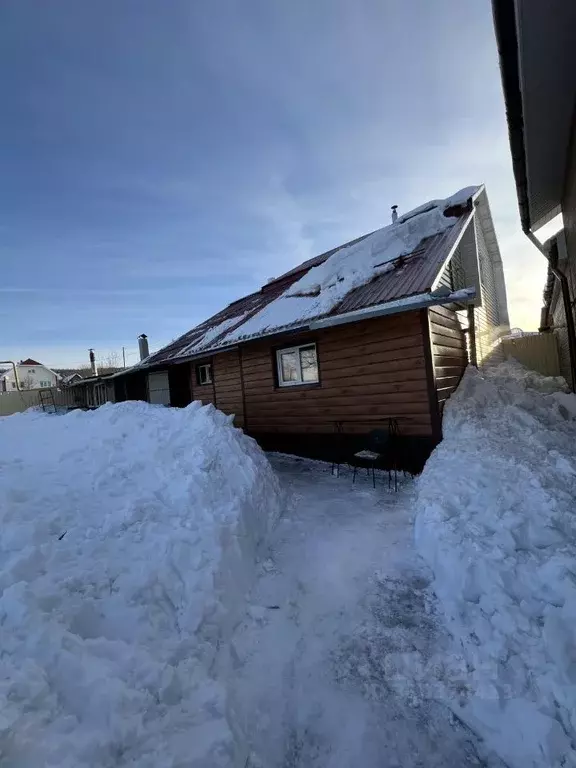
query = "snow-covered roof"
{"x": 399, "y": 260}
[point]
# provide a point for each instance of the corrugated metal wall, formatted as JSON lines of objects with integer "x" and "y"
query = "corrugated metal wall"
{"x": 538, "y": 351}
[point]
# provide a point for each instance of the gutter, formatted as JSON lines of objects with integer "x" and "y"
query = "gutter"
{"x": 420, "y": 301}
{"x": 504, "y": 14}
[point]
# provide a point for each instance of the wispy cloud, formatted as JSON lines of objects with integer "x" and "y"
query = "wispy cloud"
{"x": 160, "y": 160}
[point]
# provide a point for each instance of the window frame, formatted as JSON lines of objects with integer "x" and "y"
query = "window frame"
{"x": 300, "y": 382}
{"x": 210, "y": 374}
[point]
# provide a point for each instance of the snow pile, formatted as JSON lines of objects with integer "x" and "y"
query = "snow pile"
{"x": 496, "y": 522}
{"x": 323, "y": 287}
{"x": 129, "y": 538}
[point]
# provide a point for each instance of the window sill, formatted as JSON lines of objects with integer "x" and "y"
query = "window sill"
{"x": 299, "y": 387}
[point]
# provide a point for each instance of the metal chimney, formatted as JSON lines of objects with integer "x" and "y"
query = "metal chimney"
{"x": 394, "y": 213}
{"x": 143, "y": 346}
{"x": 93, "y": 366}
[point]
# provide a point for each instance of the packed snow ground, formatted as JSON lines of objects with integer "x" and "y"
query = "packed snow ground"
{"x": 497, "y": 524}
{"x": 341, "y": 661}
{"x": 129, "y": 539}
{"x": 152, "y": 615}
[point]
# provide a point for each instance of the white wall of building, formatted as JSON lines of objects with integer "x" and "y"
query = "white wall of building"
{"x": 30, "y": 377}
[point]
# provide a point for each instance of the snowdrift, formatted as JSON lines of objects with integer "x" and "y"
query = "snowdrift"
{"x": 496, "y": 521}
{"x": 129, "y": 538}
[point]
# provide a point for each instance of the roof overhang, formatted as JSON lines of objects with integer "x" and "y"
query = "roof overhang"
{"x": 408, "y": 304}
{"x": 537, "y": 48}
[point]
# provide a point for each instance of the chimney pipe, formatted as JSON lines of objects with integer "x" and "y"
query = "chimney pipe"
{"x": 394, "y": 213}
{"x": 143, "y": 346}
{"x": 93, "y": 366}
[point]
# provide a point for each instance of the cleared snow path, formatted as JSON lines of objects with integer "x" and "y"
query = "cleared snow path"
{"x": 340, "y": 660}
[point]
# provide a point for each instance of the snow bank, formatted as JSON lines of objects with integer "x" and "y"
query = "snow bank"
{"x": 496, "y": 521}
{"x": 129, "y": 536}
{"x": 323, "y": 287}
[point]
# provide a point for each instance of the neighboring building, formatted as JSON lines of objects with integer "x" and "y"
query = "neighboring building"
{"x": 374, "y": 329}
{"x": 31, "y": 375}
{"x": 537, "y": 47}
{"x": 68, "y": 376}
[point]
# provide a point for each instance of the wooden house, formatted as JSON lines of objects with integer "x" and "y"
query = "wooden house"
{"x": 382, "y": 327}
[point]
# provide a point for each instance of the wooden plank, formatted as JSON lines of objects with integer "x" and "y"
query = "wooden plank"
{"x": 339, "y": 410}
{"x": 442, "y": 361}
{"x": 448, "y": 321}
{"x": 258, "y": 381}
{"x": 443, "y": 342}
{"x": 381, "y": 375}
{"x": 228, "y": 386}
{"x": 394, "y": 370}
{"x": 447, "y": 333}
{"x": 448, "y": 381}
{"x": 454, "y": 352}
{"x": 407, "y": 427}
{"x": 257, "y": 364}
{"x": 342, "y": 388}
{"x": 357, "y": 363}
{"x": 320, "y": 394}
{"x": 411, "y": 402}
{"x": 449, "y": 370}
{"x": 376, "y": 347}
{"x": 374, "y": 333}
{"x": 442, "y": 311}
{"x": 444, "y": 393}
{"x": 381, "y": 325}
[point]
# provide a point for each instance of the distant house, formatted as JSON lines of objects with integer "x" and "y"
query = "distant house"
{"x": 68, "y": 376}
{"x": 31, "y": 375}
{"x": 537, "y": 47}
{"x": 381, "y": 327}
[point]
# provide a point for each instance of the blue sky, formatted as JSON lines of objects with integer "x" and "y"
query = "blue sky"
{"x": 160, "y": 159}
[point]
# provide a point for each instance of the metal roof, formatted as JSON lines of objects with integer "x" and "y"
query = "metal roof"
{"x": 410, "y": 274}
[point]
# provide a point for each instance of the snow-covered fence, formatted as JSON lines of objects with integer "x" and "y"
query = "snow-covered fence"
{"x": 537, "y": 351}
{"x": 20, "y": 401}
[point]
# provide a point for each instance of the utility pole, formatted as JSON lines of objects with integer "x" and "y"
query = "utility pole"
{"x": 124, "y": 357}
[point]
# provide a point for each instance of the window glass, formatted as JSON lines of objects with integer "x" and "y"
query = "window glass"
{"x": 289, "y": 361}
{"x": 309, "y": 364}
{"x": 204, "y": 374}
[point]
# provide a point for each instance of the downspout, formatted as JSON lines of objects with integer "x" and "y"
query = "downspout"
{"x": 473, "y": 360}
{"x": 13, "y": 364}
{"x": 552, "y": 258}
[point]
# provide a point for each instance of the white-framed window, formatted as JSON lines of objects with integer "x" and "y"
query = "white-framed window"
{"x": 204, "y": 374}
{"x": 297, "y": 365}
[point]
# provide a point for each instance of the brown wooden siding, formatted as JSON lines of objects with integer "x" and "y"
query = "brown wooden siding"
{"x": 228, "y": 385}
{"x": 448, "y": 350}
{"x": 206, "y": 393}
{"x": 369, "y": 371}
